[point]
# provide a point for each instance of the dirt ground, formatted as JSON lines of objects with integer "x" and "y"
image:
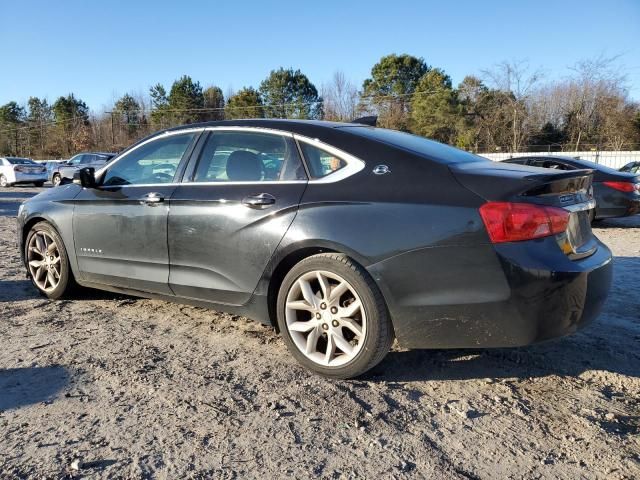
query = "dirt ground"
{"x": 107, "y": 386}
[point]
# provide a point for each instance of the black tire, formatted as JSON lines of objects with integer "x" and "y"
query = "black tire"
{"x": 39, "y": 184}
{"x": 67, "y": 282}
{"x": 379, "y": 334}
{"x": 56, "y": 179}
{"x": 3, "y": 181}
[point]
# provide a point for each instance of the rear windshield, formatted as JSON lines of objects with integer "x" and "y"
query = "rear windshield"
{"x": 20, "y": 161}
{"x": 416, "y": 144}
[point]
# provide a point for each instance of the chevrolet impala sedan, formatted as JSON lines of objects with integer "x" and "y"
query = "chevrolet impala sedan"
{"x": 344, "y": 237}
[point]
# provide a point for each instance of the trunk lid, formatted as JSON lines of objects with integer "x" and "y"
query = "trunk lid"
{"x": 568, "y": 189}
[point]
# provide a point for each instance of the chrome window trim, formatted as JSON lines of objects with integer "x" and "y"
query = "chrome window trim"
{"x": 110, "y": 164}
{"x": 354, "y": 164}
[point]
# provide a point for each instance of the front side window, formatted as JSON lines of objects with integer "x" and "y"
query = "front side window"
{"x": 320, "y": 162}
{"x": 76, "y": 160}
{"x": 230, "y": 156}
{"x": 154, "y": 162}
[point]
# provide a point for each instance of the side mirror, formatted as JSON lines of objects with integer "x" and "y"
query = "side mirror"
{"x": 85, "y": 177}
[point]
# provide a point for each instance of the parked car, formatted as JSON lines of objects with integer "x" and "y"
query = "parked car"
{"x": 15, "y": 170}
{"x": 65, "y": 170}
{"x": 617, "y": 194}
{"x": 631, "y": 167}
{"x": 352, "y": 236}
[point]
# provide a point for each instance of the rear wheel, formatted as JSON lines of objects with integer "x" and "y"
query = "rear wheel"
{"x": 56, "y": 179}
{"x": 3, "y": 181}
{"x": 48, "y": 262}
{"x": 332, "y": 316}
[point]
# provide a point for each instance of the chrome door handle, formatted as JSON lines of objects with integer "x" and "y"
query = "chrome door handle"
{"x": 259, "y": 201}
{"x": 153, "y": 198}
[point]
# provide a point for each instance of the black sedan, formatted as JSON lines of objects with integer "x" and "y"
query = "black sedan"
{"x": 631, "y": 167}
{"x": 617, "y": 193}
{"x": 341, "y": 236}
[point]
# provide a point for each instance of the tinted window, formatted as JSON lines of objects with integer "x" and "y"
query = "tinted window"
{"x": 320, "y": 162}
{"x": 230, "y": 156}
{"x": 153, "y": 162}
{"x": 416, "y": 144}
{"x": 546, "y": 163}
{"x": 87, "y": 159}
{"x": 20, "y": 161}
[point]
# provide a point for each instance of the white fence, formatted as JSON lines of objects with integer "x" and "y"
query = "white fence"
{"x": 610, "y": 159}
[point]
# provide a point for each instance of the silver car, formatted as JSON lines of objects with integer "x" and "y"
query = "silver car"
{"x": 14, "y": 170}
{"x": 65, "y": 170}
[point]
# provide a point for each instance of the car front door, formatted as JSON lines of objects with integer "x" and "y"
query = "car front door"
{"x": 120, "y": 227}
{"x": 239, "y": 196}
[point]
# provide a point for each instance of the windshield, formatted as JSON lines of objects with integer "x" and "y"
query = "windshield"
{"x": 416, "y": 144}
{"x": 20, "y": 161}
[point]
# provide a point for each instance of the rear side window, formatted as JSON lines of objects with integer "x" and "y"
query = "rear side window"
{"x": 320, "y": 162}
{"x": 230, "y": 156}
{"x": 546, "y": 163}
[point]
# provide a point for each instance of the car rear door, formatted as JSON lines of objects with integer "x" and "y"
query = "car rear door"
{"x": 120, "y": 228}
{"x": 239, "y": 196}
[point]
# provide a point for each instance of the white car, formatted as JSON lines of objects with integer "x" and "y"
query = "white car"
{"x": 21, "y": 170}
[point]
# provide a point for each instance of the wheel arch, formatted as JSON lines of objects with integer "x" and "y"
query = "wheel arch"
{"x": 289, "y": 257}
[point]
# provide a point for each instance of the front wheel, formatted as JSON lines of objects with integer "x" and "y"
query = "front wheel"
{"x": 56, "y": 179}
{"x": 333, "y": 317}
{"x": 3, "y": 181}
{"x": 47, "y": 261}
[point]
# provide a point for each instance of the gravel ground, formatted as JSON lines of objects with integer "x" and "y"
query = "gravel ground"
{"x": 108, "y": 386}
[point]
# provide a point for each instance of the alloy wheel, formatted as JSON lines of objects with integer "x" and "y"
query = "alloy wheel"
{"x": 3, "y": 181}
{"x": 57, "y": 179}
{"x": 325, "y": 318}
{"x": 43, "y": 257}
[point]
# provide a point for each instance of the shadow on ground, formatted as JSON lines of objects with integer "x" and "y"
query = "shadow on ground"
{"x": 20, "y": 387}
{"x": 17, "y": 290}
{"x": 9, "y": 208}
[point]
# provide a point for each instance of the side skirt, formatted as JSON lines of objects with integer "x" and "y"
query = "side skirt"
{"x": 255, "y": 309}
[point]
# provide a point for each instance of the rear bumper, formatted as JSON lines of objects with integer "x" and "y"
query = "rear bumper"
{"x": 617, "y": 204}
{"x": 30, "y": 177}
{"x": 492, "y": 296}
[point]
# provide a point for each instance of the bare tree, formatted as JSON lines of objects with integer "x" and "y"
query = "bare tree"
{"x": 340, "y": 98}
{"x": 516, "y": 81}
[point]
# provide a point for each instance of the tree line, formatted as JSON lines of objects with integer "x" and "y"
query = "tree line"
{"x": 509, "y": 107}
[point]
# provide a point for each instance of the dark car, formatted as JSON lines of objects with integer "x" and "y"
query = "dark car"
{"x": 59, "y": 171}
{"x": 631, "y": 167}
{"x": 617, "y": 194}
{"x": 341, "y": 236}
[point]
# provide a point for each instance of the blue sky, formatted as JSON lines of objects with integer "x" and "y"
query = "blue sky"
{"x": 102, "y": 49}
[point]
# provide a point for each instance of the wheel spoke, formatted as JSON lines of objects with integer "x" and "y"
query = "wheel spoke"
{"x": 51, "y": 279}
{"x": 52, "y": 248}
{"x": 55, "y": 260}
{"x": 39, "y": 273}
{"x": 307, "y": 292}
{"x": 35, "y": 250}
{"x": 342, "y": 344}
{"x": 312, "y": 341}
{"x": 302, "y": 326}
{"x": 324, "y": 285}
{"x": 40, "y": 245}
{"x": 300, "y": 305}
{"x": 352, "y": 309}
{"x": 338, "y": 291}
{"x": 36, "y": 263}
{"x": 331, "y": 349}
{"x": 352, "y": 325}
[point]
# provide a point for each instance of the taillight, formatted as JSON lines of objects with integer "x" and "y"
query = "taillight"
{"x": 514, "y": 222}
{"x": 623, "y": 186}
{"x": 18, "y": 169}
